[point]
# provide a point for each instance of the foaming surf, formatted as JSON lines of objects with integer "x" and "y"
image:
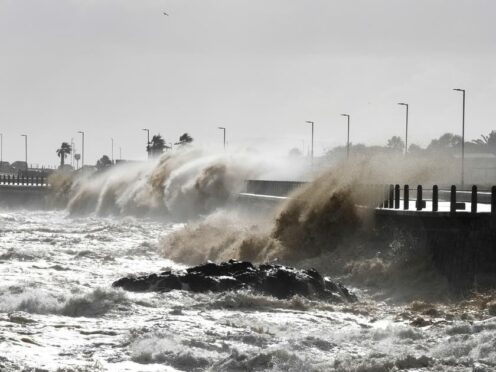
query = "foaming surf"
{"x": 71, "y": 319}
{"x": 92, "y": 304}
{"x": 59, "y": 312}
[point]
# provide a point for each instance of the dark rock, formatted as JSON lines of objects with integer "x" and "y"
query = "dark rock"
{"x": 275, "y": 280}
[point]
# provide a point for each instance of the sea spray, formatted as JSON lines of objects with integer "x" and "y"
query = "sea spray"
{"x": 221, "y": 236}
{"x": 318, "y": 224}
{"x": 314, "y": 220}
{"x": 183, "y": 184}
{"x": 321, "y": 226}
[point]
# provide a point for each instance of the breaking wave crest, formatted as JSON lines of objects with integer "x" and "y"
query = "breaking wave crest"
{"x": 92, "y": 304}
{"x": 319, "y": 226}
{"x": 182, "y": 184}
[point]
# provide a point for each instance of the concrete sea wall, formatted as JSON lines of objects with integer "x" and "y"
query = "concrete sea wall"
{"x": 18, "y": 196}
{"x": 459, "y": 236}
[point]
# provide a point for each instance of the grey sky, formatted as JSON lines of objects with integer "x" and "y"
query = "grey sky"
{"x": 260, "y": 68}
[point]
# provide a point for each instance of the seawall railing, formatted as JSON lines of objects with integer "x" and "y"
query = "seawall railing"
{"x": 434, "y": 199}
{"x": 450, "y": 199}
{"x": 27, "y": 181}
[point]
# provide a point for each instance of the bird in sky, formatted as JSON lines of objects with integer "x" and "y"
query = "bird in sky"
{"x": 166, "y": 14}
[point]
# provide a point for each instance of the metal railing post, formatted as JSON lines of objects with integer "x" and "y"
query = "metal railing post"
{"x": 453, "y": 199}
{"x": 419, "y": 198}
{"x": 474, "y": 199}
{"x": 397, "y": 197}
{"x": 406, "y": 196}
{"x": 435, "y": 198}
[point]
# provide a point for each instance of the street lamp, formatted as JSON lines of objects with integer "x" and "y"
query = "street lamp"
{"x": 25, "y": 149}
{"x": 82, "y": 148}
{"x": 406, "y": 131}
{"x": 348, "y": 140}
{"x": 147, "y": 141}
{"x": 311, "y": 122}
{"x": 223, "y": 129}
{"x": 463, "y": 135}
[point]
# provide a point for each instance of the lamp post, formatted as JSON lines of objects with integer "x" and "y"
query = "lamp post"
{"x": 311, "y": 122}
{"x": 406, "y": 130}
{"x": 463, "y": 135}
{"x": 25, "y": 149}
{"x": 147, "y": 141}
{"x": 348, "y": 140}
{"x": 112, "y": 151}
{"x": 224, "y": 130}
{"x": 82, "y": 148}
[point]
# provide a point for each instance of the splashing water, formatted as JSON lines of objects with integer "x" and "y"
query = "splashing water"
{"x": 58, "y": 312}
{"x": 319, "y": 226}
{"x": 183, "y": 184}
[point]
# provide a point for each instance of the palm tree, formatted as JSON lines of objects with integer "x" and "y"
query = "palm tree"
{"x": 184, "y": 139}
{"x": 488, "y": 141}
{"x": 157, "y": 145}
{"x": 65, "y": 149}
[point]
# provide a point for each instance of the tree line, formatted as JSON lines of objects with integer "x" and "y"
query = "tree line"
{"x": 154, "y": 148}
{"x": 447, "y": 144}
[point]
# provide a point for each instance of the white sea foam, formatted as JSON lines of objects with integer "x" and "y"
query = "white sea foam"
{"x": 92, "y": 304}
{"x": 58, "y": 311}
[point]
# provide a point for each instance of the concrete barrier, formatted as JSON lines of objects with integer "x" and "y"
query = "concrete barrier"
{"x": 461, "y": 240}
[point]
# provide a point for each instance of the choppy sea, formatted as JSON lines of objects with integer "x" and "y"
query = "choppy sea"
{"x": 58, "y": 312}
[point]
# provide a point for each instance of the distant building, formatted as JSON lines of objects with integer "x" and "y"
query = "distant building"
{"x": 18, "y": 166}
{"x": 5, "y": 167}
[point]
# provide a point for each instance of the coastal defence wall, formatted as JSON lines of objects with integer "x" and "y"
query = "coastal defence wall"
{"x": 462, "y": 246}
{"x": 457, "y": 227}
{"x": 23, "y": 196}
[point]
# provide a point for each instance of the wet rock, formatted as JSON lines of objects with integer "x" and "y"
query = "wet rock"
{"x": 275, "y": 280}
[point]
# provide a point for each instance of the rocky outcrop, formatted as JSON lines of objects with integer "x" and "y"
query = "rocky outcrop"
{"x": 274, "y": 280}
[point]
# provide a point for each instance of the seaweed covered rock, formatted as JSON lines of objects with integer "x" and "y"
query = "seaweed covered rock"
{"x": 275, "y": 280}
